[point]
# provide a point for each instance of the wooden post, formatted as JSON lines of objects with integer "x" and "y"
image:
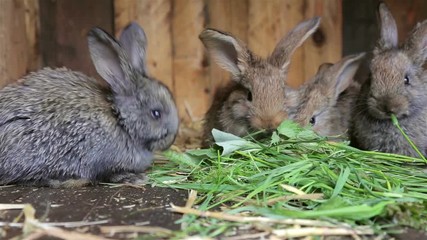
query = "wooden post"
{"x": 155, "y": 18}
{"x": 32, "y": 26}
{"x": 18, "y": 42}
{"x": 64, "y": 27}
{"x": 360, "y": 27}
{"x": 190, "y": 76}
{"x": 229, "y": 16}
{"x": 270, "y": 21}
{"x": 407, "y": 14}
{"x": 325, "y": 45}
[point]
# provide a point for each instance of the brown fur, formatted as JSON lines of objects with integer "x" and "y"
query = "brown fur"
{"x": 256, "y": 98}
{"x": 328, "y": 97}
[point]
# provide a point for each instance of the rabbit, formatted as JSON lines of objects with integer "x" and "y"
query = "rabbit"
{"x": 397, "y": 85}
{"x": 61, "y": 128}
{"x": 325, "y": 101}
{"x": 255, "y": 99}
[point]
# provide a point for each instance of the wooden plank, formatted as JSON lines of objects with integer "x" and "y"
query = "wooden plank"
{"x": 190, "y": 82}
{"x": 229, "y": 16}
{"x": 155, "y": 18}
{"x": 325, "y": 45}
{"x": 32, "y": 26}
{"x": 64, "y": 26}
{"x": 360, "y": 31}
{"x": 268, "y": 22}
{"x": 15, "y": 52}
{"x": 407, "y": 14}
{"x": 359, "y": 26}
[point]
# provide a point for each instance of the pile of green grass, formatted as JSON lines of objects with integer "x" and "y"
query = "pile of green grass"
{"x": 296, "y": 174}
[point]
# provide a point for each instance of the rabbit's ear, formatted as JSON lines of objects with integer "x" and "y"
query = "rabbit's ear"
{"x": 109, "y": 60}
{"x": 284, "y": 49}
{"x": 416, "y": 44}
{"x": 229, "y": 52}
{"x": 324, "y": 66}
{"x": 388, "y": 30}
{"x": 134, "y": 41}
{"x": 343, "y": 72}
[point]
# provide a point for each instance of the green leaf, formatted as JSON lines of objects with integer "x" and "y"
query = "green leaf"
{"x": 289, "y": 129}
{"x": 203, "y": 153}
{"x": 357, "y": 212}
{"x": 275, "y": 138}
{"x": 356, "y": 184}
{"x": 231, "y": 143}
{"x": 293, "y": 130}
{"x": 333, "y": 203}
{"x": 342, "y": 179}
{"x": 181, "y": 158}
{"x": 307, "y": 134}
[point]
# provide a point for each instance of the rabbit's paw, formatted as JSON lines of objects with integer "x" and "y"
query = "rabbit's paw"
{"x": 70, "y": 183}
{"x": 132, "y": 178}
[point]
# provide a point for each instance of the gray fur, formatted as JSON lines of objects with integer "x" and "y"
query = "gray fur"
{"x": 388, "y": 29}
{"x": 60, "y": 126}
{"x": 386, "y": 93}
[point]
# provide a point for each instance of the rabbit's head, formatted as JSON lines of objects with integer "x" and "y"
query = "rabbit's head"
{"x": 262, "y": 100}
{"x": 320, "y": 101}
{"x": 397, "y": 82}
{"x": 145, "y": 107}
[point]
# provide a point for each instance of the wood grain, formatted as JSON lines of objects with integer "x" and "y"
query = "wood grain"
{"x": 155, "y": 18}
{"x": 64, "y": 26}
{"x": 407, "y": 14}
{"x": 268, "y": 23}
{"x": 32, "y": 27}
{"x": 190, "y": 77}
{"x": 228, "y": 16}
{"x": 325, "y": 45}
{"x": 17, "y": 31}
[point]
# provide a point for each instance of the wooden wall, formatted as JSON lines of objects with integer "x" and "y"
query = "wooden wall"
{"x": 63, "y": 28}
{"x": 177, "y": 57}
{"x": 53, "y": 33}
{"x": 19, "y": 28}
{"x": 360, "y": 27}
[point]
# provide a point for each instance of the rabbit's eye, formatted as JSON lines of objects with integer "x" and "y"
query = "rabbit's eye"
{"x": 312, "y": 120}
{"x": 156, "y": 114}
{"x": 249, "y": 96}
{"x": 406, "y": 79}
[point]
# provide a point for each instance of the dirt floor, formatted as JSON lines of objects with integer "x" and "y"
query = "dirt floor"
{"x": 145, "y": 206}
{"x": 113, "y": 206}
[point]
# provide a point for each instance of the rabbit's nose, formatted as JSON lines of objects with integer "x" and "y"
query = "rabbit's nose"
{"x": 387, "y": 109}
{"x": 393, "y": 107}
{"x": 270, "y": 130}
{"x": 268, "y": 121}
{"x": 271, "y": 125}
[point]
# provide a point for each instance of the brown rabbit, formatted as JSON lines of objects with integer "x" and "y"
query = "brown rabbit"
{"x": 398, "y": 85}
{"x": 256, "y": 98}
{"x": 326, "y": 100}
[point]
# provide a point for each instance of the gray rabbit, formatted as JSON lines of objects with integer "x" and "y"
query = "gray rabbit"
{"x": 61, "y": 128}
{"x": 256, "y": 98}
{"x": 398, "y": 85}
